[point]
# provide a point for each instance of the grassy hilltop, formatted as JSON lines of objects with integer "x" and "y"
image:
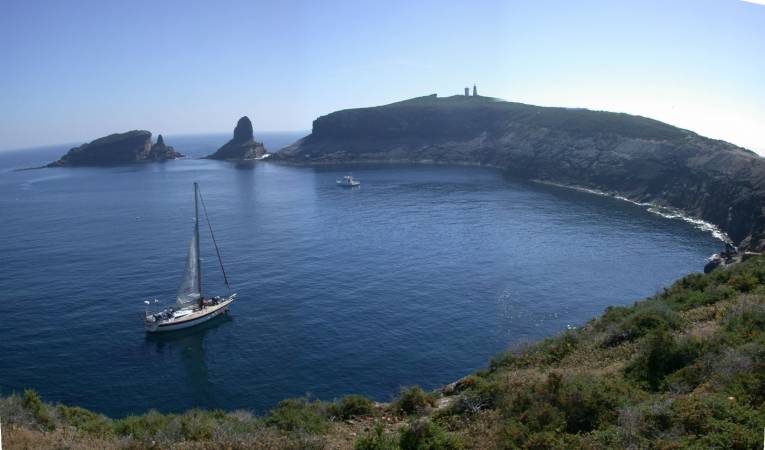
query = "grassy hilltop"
{"x": 682, "y": 369}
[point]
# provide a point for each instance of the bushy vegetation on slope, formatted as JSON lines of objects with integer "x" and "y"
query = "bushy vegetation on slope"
{"x": 683, "y": 369}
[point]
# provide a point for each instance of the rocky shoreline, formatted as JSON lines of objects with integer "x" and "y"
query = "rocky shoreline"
{"x": 630, "y": 157}
{"x": 663, "y": 211}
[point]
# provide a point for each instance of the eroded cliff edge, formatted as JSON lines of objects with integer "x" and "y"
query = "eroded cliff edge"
{"x": 641, "y": 159}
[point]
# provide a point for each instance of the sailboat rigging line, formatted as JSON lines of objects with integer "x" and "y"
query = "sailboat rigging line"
{"x": 215, "y": 243}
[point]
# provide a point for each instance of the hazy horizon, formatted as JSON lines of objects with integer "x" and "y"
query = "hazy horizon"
{"x": 78, "y": 72}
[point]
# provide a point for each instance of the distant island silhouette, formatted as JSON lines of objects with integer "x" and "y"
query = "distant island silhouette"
{"x": 119, "y": 148}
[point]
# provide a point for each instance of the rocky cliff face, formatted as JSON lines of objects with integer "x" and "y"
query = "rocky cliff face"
{"x": 242, "y": 145}
{"x": 636, "y": 157}
{"x": 120, "y": 148}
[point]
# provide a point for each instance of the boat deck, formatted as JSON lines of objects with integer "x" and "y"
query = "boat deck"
{"x": 197, "y": 313}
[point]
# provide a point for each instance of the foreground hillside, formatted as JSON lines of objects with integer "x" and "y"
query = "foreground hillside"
{"x": 683, "y": 369}
{"x": 639, "y": 158}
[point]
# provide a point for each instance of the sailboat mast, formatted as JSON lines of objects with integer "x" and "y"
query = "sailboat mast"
{"x": 215, "y": 243}
{"x": 196, "y": 240}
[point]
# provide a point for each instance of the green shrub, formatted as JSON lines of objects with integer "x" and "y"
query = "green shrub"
{"x": 721, "y": 276}
{"x": 699, "y": 290}
{"x": 645, "y": 421}
{"x": 197, "y": 425}
{"x": 728, "y": 363}
{"x": 576, "y": 404}
{"x": 746, "y": 373}
{"x": 299, "y": 414}
{"x": 422, "y": 434}
{"x": 549, "y": 351}
{"x": 743, "y": 281}
{"x": 39, "y": 410}
{"x": 413, "y": 400}
{"x": 506, "y": 359}
{"x": 695, "y": 299}
{"x": 719, "y": 422}
{"x": 660, "y": 356}
{"x": 745, "y": 322}
{"x": 650, "y": 319}
{"x": 85, "y": 420}
{"x": 553, "y": 350}
{"x": 150, "y": 424}
{"x": 478, "y": 393}
{"x": 722, "y": 292}
{"x": 602, "y": 438}
{"x": 685, "y": 299}
{"x": 542, "y": 416}
{"x": 516, "y": 435}
{"x": 641, "y": 322}
{"x": 589, "y": 401}
{"x": 377, "y": 440}
{"x": 513, "y": 434}
{"x": 694, "y": 282}
{"x": 350, "y": 406}
{"x": 612, "y": 315}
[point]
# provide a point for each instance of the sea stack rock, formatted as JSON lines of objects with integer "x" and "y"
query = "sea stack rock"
{"x": 119, "y": 148}
{"x": 242, "y": 146}
{"x": 162, "y": 152}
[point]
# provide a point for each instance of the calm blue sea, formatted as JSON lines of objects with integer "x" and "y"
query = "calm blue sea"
{"x": 417, "y": 277}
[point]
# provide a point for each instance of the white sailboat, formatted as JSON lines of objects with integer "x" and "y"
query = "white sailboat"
{"x": 191, "y": 307}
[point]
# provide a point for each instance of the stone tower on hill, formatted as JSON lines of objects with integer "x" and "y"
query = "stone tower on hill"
{"x": 475, "y": 91}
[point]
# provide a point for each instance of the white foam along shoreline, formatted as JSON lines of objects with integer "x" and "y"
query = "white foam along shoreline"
{"x": 663, "y": 211}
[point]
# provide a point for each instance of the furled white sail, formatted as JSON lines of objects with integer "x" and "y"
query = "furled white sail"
{"x": 190, "y": 290}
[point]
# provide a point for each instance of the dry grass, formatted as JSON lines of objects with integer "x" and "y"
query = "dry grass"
{"x": 17, "y": 438}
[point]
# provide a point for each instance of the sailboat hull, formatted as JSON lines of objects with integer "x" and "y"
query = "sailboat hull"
{"x": 195, "y": 318}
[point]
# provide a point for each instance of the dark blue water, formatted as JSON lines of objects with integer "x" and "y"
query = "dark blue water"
{"x": 419, "y": 276}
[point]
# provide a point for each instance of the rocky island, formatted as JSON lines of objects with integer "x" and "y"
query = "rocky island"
{"x": 641, "y": 159}
{"x": 242, "y": 146}
{"x": 119, "y": 148}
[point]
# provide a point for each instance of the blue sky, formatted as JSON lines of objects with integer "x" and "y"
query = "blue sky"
{"x": 74, "y": 71}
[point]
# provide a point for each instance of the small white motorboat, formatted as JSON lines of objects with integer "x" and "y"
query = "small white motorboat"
{"x": 348, "y": 181}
